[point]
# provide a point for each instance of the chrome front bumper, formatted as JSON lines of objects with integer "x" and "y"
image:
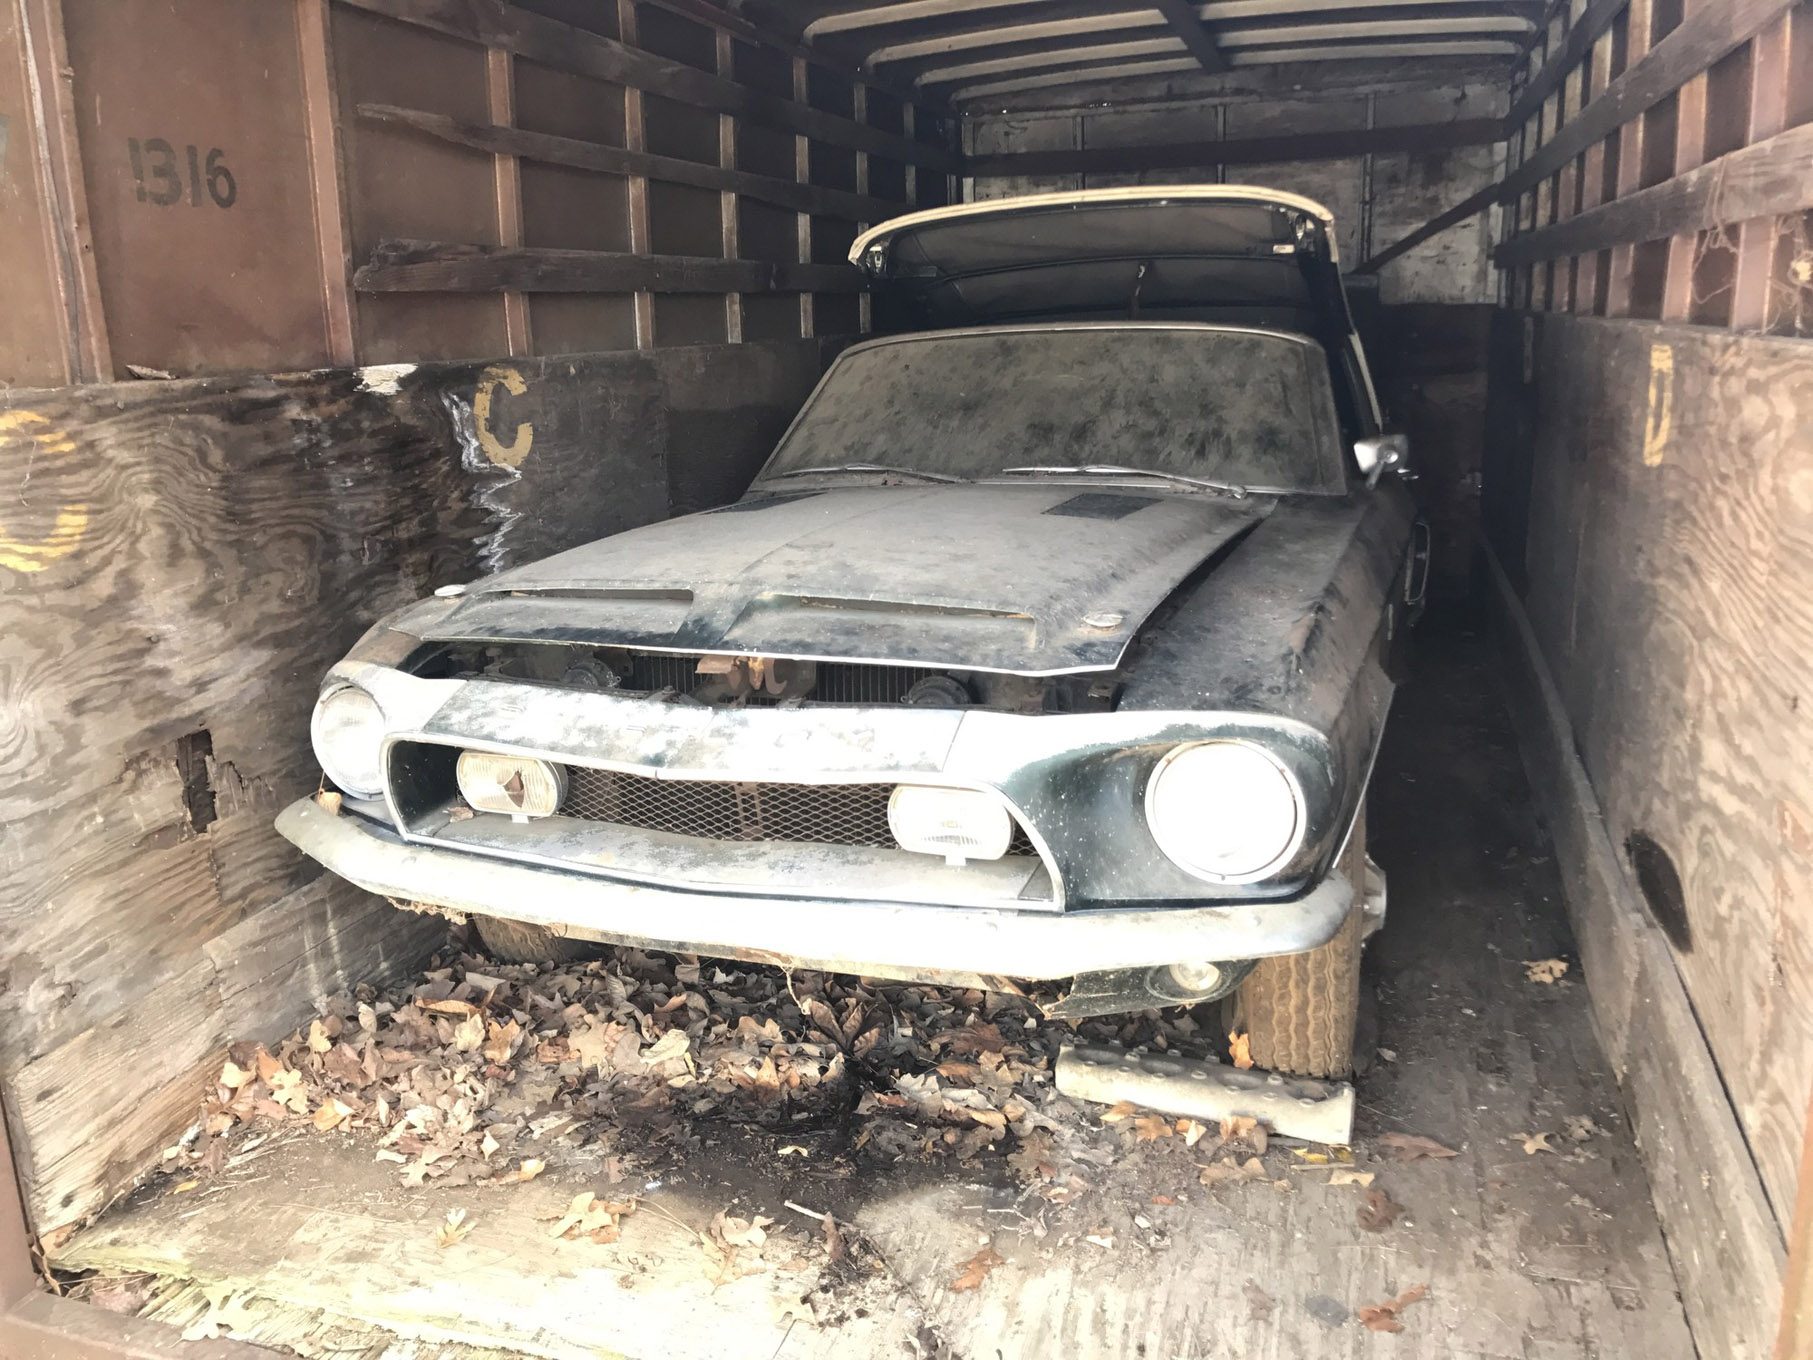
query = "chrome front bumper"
{"x": 900, "y": 940}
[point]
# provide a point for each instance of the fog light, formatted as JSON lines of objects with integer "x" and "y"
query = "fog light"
{"x": 960, "y": 824}
{"x": 518, "y": 786}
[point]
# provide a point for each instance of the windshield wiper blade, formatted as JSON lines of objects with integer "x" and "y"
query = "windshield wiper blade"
{"x": 1114, "y": 470}
{"x": 865, "y": 467}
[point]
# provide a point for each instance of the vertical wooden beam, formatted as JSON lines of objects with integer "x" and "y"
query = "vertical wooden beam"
{"x": 500, "y": 98}
{"x": 1598, "y": 75}
{"x": 1771, "y": 76}
{"x": 1197, "y": 40}
{"x": 907, "y": 112}
{"x": 802, "y": 171}
{"x": 727, "y": 201}
{"x": 864, "y": 302}
{"x": 1690, "y": 154}
{"x": 88, "y": 355}
{"x": 635, "y": 138}
{"x": 327, "y": 178}
{"x": 1630, "y": 161}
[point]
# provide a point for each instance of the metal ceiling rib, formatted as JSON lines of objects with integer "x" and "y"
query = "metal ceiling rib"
{"x": 967, "y": 49}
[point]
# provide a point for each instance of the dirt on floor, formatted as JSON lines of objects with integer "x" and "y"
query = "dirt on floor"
{"x": 893, "y": 1163}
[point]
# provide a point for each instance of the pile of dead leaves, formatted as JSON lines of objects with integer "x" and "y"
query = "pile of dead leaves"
{"x": 478, "y": 1072}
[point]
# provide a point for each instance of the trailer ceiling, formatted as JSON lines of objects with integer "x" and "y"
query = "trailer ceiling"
{"x": 967, "y": 50}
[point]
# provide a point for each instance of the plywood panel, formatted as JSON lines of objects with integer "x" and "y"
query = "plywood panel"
{"x": 185, "y": 558}
{"x": 31, "y": 330}
{"x": 195, "y": 149}
{"x": 402, "y": 185}
{"x": 1671, "y": 547}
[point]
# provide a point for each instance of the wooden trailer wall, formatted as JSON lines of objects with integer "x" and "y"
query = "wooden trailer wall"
{"x": 525, "y": 283}
{"x": 1648, "y": 496}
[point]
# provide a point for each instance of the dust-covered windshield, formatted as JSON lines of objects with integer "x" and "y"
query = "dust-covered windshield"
{"x": 1242, "y": 408}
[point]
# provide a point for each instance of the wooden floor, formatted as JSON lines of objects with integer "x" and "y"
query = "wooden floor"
{"x": 1538, "y": 1255}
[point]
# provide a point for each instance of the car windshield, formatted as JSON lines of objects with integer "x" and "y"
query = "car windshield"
{"x": 1239, "y": 408}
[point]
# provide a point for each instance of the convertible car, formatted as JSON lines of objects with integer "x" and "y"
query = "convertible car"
{"x": 1049, "y": 652}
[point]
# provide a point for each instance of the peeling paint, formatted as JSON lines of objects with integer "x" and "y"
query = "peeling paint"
{"x": 494, "y": 476}
{"x": 384, "y": 378}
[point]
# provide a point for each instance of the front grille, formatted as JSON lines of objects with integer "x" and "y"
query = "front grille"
{"x": 830, "y": 814}
{"x": 839, "y": 682}
{"x": 823, "y": 814}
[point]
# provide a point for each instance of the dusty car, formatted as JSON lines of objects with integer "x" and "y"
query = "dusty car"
{"x": 1049, "y": 651}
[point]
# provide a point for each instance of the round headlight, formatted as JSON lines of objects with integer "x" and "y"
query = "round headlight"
{"x": 348, "y": 732}
{"x": 1224, "y": 810}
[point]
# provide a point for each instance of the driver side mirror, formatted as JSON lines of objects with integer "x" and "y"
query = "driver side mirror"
{"x": 1383, "y": 453}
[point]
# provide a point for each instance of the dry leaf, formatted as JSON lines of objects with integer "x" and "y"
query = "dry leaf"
{"x": 1547, "y": 971}
{"x": 588, "y": 1216}
{"x": 1123, "y": 1109}
{"x": 1259, "y": 1304}
{"x": 318, "y": 1039}
{"x": 1409, "y": 1147}
{"x": 1535, "y": 1142}
{"x": 449, "y": 1006}
{"x": 673, "y": 1044}
{"x": 1377, "y": 1211}
{"x": 453, "y": 1230}
{"x": 500, "y": 1040}
{"x": 1240, "y": 1050}
{"x": 1164, "y": 1199}
{"x": 1580, "y": 1127}
{"x": 469, "y": 1034}
{"x": 1244, "y": 1129}
{"x": 1348, "y": 1176}
{"x": 332, "y": 1114}
{"x": 1252, "y": 1169}
{"x": 974, "y": 1271}
{"x": 1149, "y": 1128}
{"x": 1192, "y": 1131}
{"x": 329, "y": 801}
{"x": 1383, "y": 1317}
{"x": 233, "y": 1076}
{"x": 531, "y": 1168}
{"x": 835, "y": 1247}
{"x": 740, "y": 1232}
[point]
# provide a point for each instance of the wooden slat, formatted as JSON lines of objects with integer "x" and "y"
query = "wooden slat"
{"x": 615, "y": 160}
{"x": 1677, "y": 59}
{"x": 1300, "y": 146}
{"x": 1435, "y": 226}
{"x": 1771, "y": 177}
{"x": 495, "y": 24}
{"x": 435, "y": 267}
{"x": 1197, "y": 40}
{"x": 321, "y": 106}
{"x": 500, "y": 99}
{"x": 1600, "y": 15}
{"x": 1795, "y": 1339}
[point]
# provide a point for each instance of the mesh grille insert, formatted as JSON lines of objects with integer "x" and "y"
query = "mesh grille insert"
{"x": 824, "y": 814}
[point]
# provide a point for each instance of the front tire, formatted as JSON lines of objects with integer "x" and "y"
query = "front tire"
{"x": 1299, "y": 1011}
{"x": 510, "y": 941}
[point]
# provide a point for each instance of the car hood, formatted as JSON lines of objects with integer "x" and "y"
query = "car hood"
{"x": 1035, "y": 579}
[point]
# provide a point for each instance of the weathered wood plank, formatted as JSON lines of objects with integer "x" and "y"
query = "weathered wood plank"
{"x": 1463, "y": 211}
{"x": 582, "y": 155}
{"x": 1722, "y": 1237}
{"x": 1772, "y": 178}
{"x": 1334, "y": 144}
{"x": 1181, "y": 17}
{"x": 1668, "y": 556}
{"x": 179, "y": 562}
{"x": 430, "y": 266}
{"x": 498, "y": 25}
{"x": 1593, "y": 23}
{"x": 1707, "y": 35}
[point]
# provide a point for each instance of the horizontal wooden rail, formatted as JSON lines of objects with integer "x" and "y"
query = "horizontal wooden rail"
{"x": 494, "y": 24}
{"x": 1772, "y": 178}
{"x": 438, "y": 267}
{"x": 615, "y": 160}
{"x": 1707, "y": 37}
{"x": 1300, "y": 146}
